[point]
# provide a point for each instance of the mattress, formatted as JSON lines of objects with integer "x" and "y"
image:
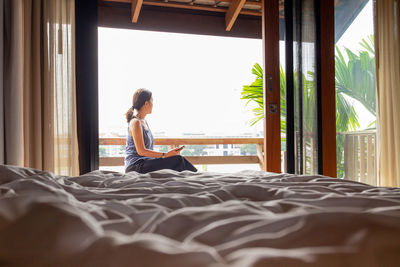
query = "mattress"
{"x": 168, "y": 218}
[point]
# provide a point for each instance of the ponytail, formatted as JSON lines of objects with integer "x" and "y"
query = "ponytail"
{"x": 129, "y": 114}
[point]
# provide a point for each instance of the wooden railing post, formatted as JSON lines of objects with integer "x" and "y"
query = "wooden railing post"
{"x": 260, "y": 154}
{"x": 312, "y": 154}
{"x": 369, "y": 159}
{"x": 355, "y": 158}
{"x": 362, "y": 159}
{"x": 284, "y": 161}
{"x": 348, "y": 153}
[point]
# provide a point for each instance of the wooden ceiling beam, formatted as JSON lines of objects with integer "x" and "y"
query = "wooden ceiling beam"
{"x": 135, "y": 10}
{"x": 233, "y": 12}
{"x": 196, "y": 6}
{"x": 248, "y": 2}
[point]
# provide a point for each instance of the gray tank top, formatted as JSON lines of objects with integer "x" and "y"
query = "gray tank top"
{"x": 131, "y": 153}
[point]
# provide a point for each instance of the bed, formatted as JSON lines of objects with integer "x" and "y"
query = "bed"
{"x": 167, "y": 218}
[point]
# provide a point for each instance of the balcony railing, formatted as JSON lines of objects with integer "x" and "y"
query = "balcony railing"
{"x": 196, "y": 160}
{"x": 360, "y": 156}
{"x": 359, "y": 153}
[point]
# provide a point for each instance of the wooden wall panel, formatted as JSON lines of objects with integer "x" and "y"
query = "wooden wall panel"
{"x": 272, "y": 126}
{"x": 87, "y": 84}
{"x": 327, "y": 78}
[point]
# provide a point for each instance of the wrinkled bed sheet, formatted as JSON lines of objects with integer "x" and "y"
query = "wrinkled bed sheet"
{"x": 166, "y": 218}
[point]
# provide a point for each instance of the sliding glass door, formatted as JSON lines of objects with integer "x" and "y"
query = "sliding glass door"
{"x": 306, "y": 78}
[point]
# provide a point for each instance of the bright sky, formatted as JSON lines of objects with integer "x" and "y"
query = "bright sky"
{"x": 361, "y": 27}
{"x": 196, "y": 80}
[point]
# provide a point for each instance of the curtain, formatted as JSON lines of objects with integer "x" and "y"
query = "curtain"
{"x": 60, "y": 60}
{"x": 13, "y": 88}
{"x": 39, "y": 92}
{"x": 387, "y": 43}
{"x": 1, "y": 81}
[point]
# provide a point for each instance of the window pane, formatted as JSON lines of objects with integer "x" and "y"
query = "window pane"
{"x": 355, "y": 91}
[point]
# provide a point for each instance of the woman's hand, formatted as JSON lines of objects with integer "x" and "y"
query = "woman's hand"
{"x": 173, "y": 152}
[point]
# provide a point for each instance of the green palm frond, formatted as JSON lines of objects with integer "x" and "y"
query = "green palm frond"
{"x": 369, "y": 44}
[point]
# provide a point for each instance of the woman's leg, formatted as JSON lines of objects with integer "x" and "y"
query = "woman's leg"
{"x": 177, "y": 163}
{"x": 188, "y": 166}
{"x": 131, "y": 168}
{"x": 134, "y": 167}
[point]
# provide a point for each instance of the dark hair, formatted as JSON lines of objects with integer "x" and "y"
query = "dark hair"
{"x": 140, "y": 97}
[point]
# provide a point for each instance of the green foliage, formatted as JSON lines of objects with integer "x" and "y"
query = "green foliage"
{"x": 254, "y": 92}
{"x": 356, "y": 78}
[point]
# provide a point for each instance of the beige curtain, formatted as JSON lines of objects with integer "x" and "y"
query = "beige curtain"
{"x": 387, "y": 42}
{"x": 40, "y": 119}
{"x": 1, "y": 81}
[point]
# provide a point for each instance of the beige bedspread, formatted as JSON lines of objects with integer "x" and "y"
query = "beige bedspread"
{"x": 167, "y": 218}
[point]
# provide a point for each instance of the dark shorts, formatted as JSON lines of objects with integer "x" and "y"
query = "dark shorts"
{"x": 177, "y": 163}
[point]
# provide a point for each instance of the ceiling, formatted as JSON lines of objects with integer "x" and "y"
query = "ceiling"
{"x": 345, "y": 10}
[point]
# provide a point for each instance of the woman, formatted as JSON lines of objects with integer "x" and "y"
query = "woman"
{"x": 140, "y": 156}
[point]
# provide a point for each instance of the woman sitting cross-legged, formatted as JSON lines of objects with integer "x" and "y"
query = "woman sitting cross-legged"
{"x": 140, "y": 156}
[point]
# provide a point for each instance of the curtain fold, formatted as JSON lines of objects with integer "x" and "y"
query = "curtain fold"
{"x": 13, "y": 85}
{"x": 40, "y": 124}
{"x": 387, "y": 43}
{"x": 32, "y": 84}
{"x": 62, "y": 36}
